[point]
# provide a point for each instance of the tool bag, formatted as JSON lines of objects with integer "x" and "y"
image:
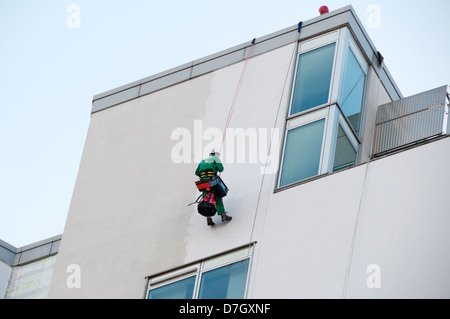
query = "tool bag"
{"x": 216, "y": 185}
{"x": 207, "y": 207}
{"x": 214, "y": 188}
{"x": 219, "y": 188}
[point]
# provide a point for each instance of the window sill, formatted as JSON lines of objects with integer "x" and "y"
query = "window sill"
{"x": 308, "y": 180}
{"x": 311, "y": 110}
{"x": 315, "y": 178}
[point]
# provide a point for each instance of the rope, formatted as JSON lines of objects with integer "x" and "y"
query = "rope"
{"x": 271, "y": 140}
{"x": 355, "y": 229}
{"x": 236, "y": 94}
{"x": 196, "y": 201}
{"x": 270, "y": 145}
{"x": 268, "y": 153}
{"x": 230, "y": 115}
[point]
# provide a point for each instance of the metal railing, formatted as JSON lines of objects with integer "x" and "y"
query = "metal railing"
{"x": 411, "y": 120}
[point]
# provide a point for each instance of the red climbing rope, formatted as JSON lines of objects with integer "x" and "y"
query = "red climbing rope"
{"x": 236, "y": 95}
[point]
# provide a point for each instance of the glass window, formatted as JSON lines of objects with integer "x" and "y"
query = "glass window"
{"x": 227, "y": 282}
{"x": 302, "y": 152}
{"x": 345, "y": 155}
{"x": 183, "y": 289}
{"x": 331, "y": 76}
{"x": 353, "y": 91}
{"x": 219, "y": 277}
{"x": 312, "y": 85}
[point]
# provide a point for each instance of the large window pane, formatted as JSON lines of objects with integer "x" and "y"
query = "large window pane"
{"x": 302, "y": 153}
{"x": 227, "y": 282}
{"x": 183, "y": 289}
{"x": 353, "y": 91}
{"x": 313, "y": 79}
{"x": 345, "y": 155}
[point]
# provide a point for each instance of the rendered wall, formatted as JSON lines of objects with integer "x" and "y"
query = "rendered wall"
{"x": 325, "y": 235}
{"x": 129, "y": 216}
{"x": 403, "y": 226}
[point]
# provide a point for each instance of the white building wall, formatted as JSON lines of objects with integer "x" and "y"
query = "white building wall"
{"x": 403, "y": 226}
{"x": 257, "y": 107}
{"x": 129, "y": 216}
{"x": 391, "y": 213}
{"x": 305, "y": 243}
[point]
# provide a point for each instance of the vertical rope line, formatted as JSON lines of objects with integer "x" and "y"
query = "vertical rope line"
{"x": 355, "y": 230}
{"x": 227, "y": 124}
{"x": 268, "y": 154}
{"x": 271, "y": 141}
{"x": 236, "y": 94}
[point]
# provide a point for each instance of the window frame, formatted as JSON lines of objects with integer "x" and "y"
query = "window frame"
{"x": 204, "y": 271}
{"x": 313, "y": 116}
{"x": 172, "y": 281}
{"x": 344, "y": 41}
{"x": 198, "y": 268}
{"x": 349, "y": 43}
{"x": 343, "y": 122}
{"x": 308, "y": 46}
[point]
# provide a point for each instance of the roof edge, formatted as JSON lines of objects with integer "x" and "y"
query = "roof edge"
{"x": 345, "y": 16}
{"x": 13, "y": 256}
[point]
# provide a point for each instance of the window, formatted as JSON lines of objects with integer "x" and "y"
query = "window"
{"x": 223, "y": 277}
{"x": 182, "y": 289}
{"x": 353, "y": 91}
{"x": 303, "y": 152}
{"x": 351, "y": 106}
{"x": 312, "y": 85}
{"x": 346, "y": 151}
{"x": 227, "y": 282}
{"x": 324, "y": 121}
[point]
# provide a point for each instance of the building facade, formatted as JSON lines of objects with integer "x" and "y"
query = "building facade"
{"x": 27, "y": 272}
{"x": 318, "y": 211}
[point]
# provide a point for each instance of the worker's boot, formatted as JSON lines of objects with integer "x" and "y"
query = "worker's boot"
{"x": 226, "y": 218}
{"x": 210, "y": 221}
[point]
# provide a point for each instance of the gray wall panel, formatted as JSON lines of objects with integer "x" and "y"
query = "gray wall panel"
{"x": 115, "y": 99}
{"x": 165, "y": 81}
{"x": 7, "y": 253}
{"x": 34, "y": 254}
{"x": 218, "y": 63}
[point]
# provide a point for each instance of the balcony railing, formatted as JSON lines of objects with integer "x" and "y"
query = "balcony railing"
{"x": 411, "y": 120}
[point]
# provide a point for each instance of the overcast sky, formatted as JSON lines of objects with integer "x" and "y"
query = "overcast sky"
{"x": 56, "y": 55}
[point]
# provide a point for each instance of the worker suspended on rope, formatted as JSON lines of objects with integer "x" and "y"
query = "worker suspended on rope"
{"x": 208, "y": 170}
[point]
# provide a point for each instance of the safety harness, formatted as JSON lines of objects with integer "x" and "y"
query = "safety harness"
{"x": 207, "y": 174}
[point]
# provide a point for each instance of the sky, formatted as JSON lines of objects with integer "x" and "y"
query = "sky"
{"x": 55, "y": 55}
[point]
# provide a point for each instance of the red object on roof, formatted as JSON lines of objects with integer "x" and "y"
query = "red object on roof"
{"x": 323, "y": 10}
